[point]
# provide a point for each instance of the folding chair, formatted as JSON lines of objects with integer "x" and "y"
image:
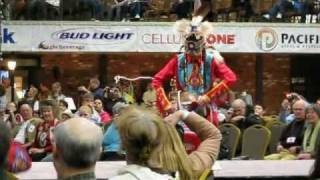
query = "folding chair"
{"x": 231, "y": 136}
{"x": 255, "y": 141}
{"x": 276, "y": 128}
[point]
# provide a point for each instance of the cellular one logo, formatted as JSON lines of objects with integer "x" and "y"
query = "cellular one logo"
{"x": 266, "y": 39}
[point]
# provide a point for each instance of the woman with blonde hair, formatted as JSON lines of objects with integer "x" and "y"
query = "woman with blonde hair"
{"x": 154, "y": 147}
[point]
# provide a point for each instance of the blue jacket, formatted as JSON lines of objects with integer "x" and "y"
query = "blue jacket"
{"x": 111, "y": 139}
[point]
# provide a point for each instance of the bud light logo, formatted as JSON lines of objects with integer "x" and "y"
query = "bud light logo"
{"x": 93, "y": 36}
{"x": 266, "y": 39}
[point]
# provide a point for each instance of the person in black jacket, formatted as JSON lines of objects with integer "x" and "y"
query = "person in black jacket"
{"x": 292, "y": 136}
{"x": 242, "y": 116}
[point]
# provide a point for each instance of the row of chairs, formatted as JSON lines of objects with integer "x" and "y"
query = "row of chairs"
{"x": 256, "y": 140}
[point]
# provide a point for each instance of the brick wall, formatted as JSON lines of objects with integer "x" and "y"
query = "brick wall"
{"x": 276, "y": 80}
{"x": 77, "y": 69}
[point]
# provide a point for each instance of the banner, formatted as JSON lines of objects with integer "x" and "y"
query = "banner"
{"x": 35, "y": 36}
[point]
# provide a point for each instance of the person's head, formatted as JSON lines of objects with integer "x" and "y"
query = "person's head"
{"x": 6, "y": 81}
{"x": 149, "y": 141}
{"x": 94, "y": 83}
{"x": 312, "y": 113}
{"x": 5, "y": 137}
{"x": 47, "y": 110}
{"x": 26, "y": 111}
{"x": 259, "y": 110}
{"x": 76, "y": 146}
{"x": 66, "y": 115}
{"x": 85, "y": 112}
{"x": 299, "y": 109}
{"x": 98, "y": 105}
{"x": 239, "y": 107}
{"x": 118, "y": 108}
{"x": 32, "y": 92}
{"x": 56, "y": 88}
{"x": 114, "y": 92}
{"x": 318, "y": 101}
{"x": 87, "y": 100}
{"x": 194, "y": 44}
{"x": 63, "y": 105}
{"x": 141, "y": 133}
{"x": 11, "y": 106}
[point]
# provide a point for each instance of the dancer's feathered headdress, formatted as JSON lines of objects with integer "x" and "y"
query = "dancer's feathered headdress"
{"x": 195, "y": 34}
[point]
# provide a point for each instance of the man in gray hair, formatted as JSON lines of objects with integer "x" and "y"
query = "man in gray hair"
{"x": 76, "y": 148}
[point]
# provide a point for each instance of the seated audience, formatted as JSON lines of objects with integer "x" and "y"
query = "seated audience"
{"x": 56, "y": 92}
{"x": 93, "y": 87}
{"x": 30, "y": 97}
{"x": 77, "y": 147}
{"x": 127, "y": 93}
{"x": 104, "y": 116}
{"x": 87, "y": 100}
{"x": 5, "y": 138}
{"x": 66, "y": 116}
{"x": 149, "y": 97}
{"x": 292, "y": 136}
{"x": 283, "y": 6}
{"x": 83, "y": 10}
{"x": 286, "y": 114}
{"x": 27, "y": 131}
{"x": 113, "y": 96}
{"x": 111, "y": 139}
{"x": 241, "y": 115}
{"x": 137, "y": 8}
{"x": 259, "y": 112}
{"x": 85, "y": 112}
{"x": 42, "y": 145}
{"x": 182, "y": 8}
{"x": 63, "y": 105}
{"x": 153, "y": 153}
{"x": 8, "y": 115}
{"x": 119, "y": 10}
{"x": 311, "y": 140}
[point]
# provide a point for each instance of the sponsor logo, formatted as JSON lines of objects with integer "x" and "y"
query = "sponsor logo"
{"x": 300, "y": 40}
{"x": 159, "y": 38}
{"x": 221, "y": 39}
{"x": 162, "y": 38}
{"x": 8, "y": 36}
{"x": 266, "y": 39}
{"x": 93, "y": 36}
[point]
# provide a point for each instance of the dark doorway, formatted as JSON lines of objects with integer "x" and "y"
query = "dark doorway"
{"x": 305, "y": 76}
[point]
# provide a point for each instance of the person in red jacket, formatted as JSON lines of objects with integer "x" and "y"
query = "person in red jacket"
{"x": 198, "y": 70}
{"x": 42, "y": 145}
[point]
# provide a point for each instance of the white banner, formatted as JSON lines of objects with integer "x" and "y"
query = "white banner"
{"x": 155, "y": 37}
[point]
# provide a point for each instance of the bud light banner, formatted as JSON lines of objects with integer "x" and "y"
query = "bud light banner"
{"x": 67, "y": 38}
{"x": 36, "y": 36}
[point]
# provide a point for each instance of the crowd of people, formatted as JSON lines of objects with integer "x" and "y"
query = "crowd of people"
{"x": 150, "y": 144}
{"x": 134, "y": 10}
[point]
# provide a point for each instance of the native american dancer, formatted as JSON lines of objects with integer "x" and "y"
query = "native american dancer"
{"x": 199, "y": 70}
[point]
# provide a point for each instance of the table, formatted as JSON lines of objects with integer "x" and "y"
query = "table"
{"x": 235, "y": 169}
{"x": 263, "y": 169}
